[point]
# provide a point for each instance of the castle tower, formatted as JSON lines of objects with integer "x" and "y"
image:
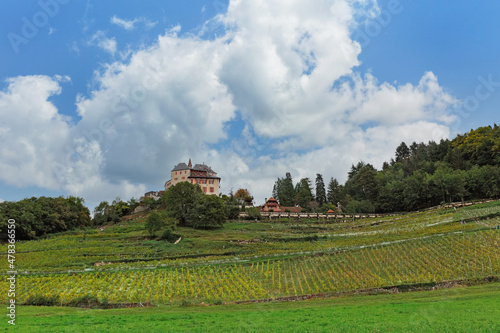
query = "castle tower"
{"x": 189, "y": 164}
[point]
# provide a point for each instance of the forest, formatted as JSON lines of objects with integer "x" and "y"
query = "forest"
{"x": 419, "y": 176}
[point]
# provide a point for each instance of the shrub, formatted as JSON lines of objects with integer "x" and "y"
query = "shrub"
{"x": 169, "y": 235}
{"x": 89, "y": 301}
{"x": 41, "y": 300}
{"x": 185, "y": 303}
{"x": 156, "y": 221}
{"x": 253, "y": 213}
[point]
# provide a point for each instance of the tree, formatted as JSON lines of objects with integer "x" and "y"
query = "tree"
{"x": 120, "y": 207}
{"x": 101, "y": 214}
{"x": 363, "y": 206}
{"x": 155, "y": 222}
{"x": 243, "y": 195}
{"x": 414, "y": 193}
{"x": 180, "y": 200}
{"x": 320, "y": 190}
{"x": 402, "y": 152}
{"x": 41, "y": 216}
{"x": 335, "y": 191}
{"x": 209, "y": 211}
{"x": 441, "y": 181}
{"x": 283, "y": 191}
{"x": 303, "y": 192}
{"x": 232, "y": 206}
{"x": 362, "y": 183}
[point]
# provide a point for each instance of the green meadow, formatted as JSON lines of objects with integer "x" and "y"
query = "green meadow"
{"x": 463, "y": 309}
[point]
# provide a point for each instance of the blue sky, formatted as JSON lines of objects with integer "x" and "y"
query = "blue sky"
{"x": 102, "y": 98}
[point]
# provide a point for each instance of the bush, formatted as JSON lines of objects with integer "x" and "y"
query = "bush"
{"x": 89, "y": 301}
{"x": 169, "y": 235}
{"x": 185, "y": 303}
{"x": 156, "y": 221}
{"x": 41, "y": 300}
{"x": 253, "y": 213}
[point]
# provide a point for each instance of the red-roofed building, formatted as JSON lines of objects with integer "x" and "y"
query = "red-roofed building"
{"x": 271, "y": 205}
{"x": 200, "y": 174}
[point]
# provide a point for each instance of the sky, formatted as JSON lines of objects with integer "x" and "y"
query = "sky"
{"x": 101, "y": 99}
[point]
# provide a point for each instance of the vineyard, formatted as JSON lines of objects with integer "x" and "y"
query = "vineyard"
{"x": 253, "y": 261}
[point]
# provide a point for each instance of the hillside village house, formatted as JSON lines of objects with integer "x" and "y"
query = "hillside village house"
{"x": 200, "y": 174}
{"x": 272, "y": 205}
{"x": 155, "y": 195}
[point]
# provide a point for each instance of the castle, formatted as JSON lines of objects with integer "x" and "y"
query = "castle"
{"x": 200, "y": 174}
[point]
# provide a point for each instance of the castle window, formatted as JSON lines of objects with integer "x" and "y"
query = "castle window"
{"x": 205, "y": 189}
{"x": 211, "y": 190}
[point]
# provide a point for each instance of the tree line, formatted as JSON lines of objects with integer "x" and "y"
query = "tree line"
{"x": 419, "y": 176}
{"x": 41, "y": 216}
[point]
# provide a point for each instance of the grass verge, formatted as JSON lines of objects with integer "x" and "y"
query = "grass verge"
{"x": 460, "y": 309}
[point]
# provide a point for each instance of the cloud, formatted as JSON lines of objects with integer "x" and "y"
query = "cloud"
{"x": 100, "y": 40}
{"x": 289, "y": 68}
{"x": 130, "y": 25}
{"x": 2, "y": 200}
{"x": 74, "y": 47}
{"x": 32, "y": 132}
{"x": 40, "y": 147}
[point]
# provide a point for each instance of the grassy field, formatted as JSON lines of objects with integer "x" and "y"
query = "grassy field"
{"x": 274, "y": 260}
{"x": 471, "y": 309}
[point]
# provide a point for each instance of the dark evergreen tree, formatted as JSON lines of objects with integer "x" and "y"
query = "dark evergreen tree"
{"x": 284, "y": 192}
{"x": 304, "y": 194}
{"x": 402, "y": 152}
{"x": 335, "y": 191}
{"x": 320, "y": 190}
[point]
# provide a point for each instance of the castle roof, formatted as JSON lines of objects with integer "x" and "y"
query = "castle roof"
{"x": 180, "y": 166}
{"x": 203, "y": 167}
